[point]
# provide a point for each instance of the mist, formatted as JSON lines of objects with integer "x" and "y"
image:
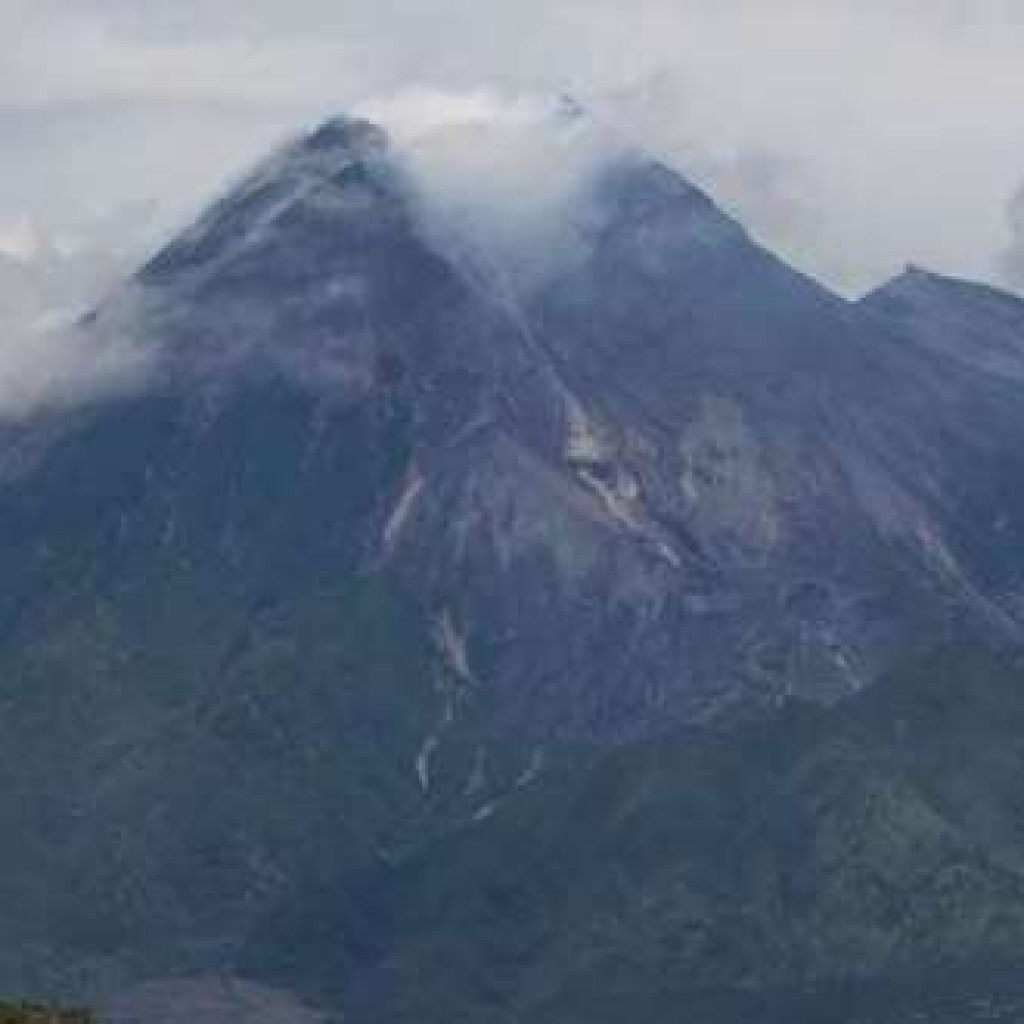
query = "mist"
{"x": 505, "y": 178}
{"x": 48, "y": 359}
{"x": 853, "y": 138}
{"x": 1013, "y": 258}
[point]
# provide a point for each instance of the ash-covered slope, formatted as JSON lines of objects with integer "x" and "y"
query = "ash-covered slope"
{"x": 673, "y": 476}
{"x": 384, "y": 533}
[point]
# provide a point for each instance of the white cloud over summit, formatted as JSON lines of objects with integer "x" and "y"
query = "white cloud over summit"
{"x": 855, "y": 135}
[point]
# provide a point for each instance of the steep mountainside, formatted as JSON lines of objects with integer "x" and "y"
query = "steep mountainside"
{"x": 389, "y": 538}
{"x": 674, "y": 476}
{"x": 979, "y": 330}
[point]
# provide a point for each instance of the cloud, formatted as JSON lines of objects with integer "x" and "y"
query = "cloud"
{"x": 498, "y": 173}
{"x": 855, "y": 135}
{"x": 1013, "y": 257}
{"x": 47, "y": 359}
{"x": 45, "y": 366}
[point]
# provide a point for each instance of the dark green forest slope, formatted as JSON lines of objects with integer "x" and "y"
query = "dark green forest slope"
{"x": 859, "y": 864}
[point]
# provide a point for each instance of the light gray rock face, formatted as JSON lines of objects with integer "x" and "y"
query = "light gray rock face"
{"x": 718, "y": 483}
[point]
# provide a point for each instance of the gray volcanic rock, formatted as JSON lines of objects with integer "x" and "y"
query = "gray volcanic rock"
{"x": 675, "y": 477}
{"x": 751, "y": 493}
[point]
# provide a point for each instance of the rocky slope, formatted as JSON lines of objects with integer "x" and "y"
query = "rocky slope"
{"x": 672, "y": 476}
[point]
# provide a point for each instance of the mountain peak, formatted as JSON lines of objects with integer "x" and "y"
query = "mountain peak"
{"x": 332, "y": 172}
{"x": 638, "y": 180}
{"x": 973, "y": 323}
{"x": 917, "y": 284}
{"x": 343, "y": 133}
{"x": 659, "y": 221}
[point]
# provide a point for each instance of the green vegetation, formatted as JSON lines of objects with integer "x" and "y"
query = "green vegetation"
{"x": 861, "y": 864}
{"x": 218, "y": 698}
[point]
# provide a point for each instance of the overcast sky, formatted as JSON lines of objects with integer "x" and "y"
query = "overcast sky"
{"x": 855, "y": 135}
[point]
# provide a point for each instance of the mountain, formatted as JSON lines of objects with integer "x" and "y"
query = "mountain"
{"x": 393, "y": 536}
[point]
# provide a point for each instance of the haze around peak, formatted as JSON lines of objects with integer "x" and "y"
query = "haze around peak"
{"x": 852, "y": 139}
{"x": 853, "y": 136}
